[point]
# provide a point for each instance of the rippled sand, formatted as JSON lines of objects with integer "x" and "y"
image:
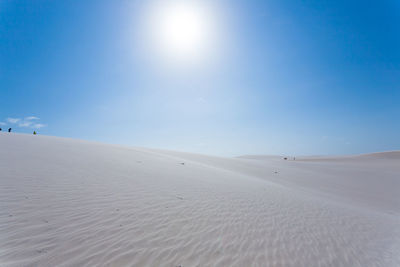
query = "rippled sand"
{"x": 67, "y": 202}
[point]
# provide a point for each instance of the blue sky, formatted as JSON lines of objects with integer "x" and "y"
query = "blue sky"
{"x": 282, "y": 77}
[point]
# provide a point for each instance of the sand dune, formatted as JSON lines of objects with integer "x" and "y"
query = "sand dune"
{"x": 67, "y": 202}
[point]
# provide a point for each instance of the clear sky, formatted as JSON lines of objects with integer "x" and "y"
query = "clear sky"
{"x": 237, "y": 77}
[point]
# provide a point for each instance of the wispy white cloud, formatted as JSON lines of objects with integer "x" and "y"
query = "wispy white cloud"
{"x": 200, "y": 100}
{"x": 2, "y": 123}
{"x": 31, "y": 118}
{"x": 13, "y": 120}
{"x": 38, "y": 125}
{"x": 27, "y": 122}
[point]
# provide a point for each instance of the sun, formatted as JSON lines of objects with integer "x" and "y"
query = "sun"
{"x": 181, "y": 29}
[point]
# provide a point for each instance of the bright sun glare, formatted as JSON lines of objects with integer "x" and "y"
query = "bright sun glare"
{"x": 181, "y": 29}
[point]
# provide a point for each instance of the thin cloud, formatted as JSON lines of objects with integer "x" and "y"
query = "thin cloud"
{"x": 200, "y": 100}
{"x": 2, "y": 123}
{"x": 38, "y": 125}
{"x": 27, "y": 122}
{"x": 31, "y": 118}
{"x": 13, "y": 120}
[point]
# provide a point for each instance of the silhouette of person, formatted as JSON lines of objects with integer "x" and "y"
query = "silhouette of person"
{"x": 9, "y": 130}
{"x": 0, "y": 129}
{"x": 34, "y": 132}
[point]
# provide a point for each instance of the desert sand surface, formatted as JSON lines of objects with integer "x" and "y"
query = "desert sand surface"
{"x": 66, "y": 202}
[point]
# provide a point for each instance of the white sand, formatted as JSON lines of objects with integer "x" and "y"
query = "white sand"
{"x": 67, "y": 202}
